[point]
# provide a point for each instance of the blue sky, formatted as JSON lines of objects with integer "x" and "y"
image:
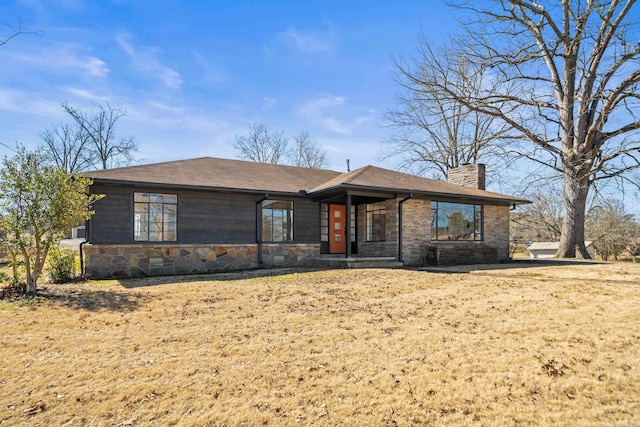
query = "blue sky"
{"x": 193, "y": 75}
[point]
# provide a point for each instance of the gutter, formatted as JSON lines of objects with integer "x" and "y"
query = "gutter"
{"x": 86, "y": 240}
{"x": 259, "y": 227}
{"x": 491, "y": 198}
{"x": 400, "y": 226}
{"x": 87, "y": 225}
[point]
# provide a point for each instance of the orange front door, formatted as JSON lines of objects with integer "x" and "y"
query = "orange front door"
{"x": 337, "y": 221}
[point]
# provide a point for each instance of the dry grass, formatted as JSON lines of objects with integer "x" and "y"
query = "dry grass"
{"x": 552, "y": 345}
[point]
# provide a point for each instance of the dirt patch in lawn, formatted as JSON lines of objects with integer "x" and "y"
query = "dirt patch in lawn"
{"x": 517, "y": 345}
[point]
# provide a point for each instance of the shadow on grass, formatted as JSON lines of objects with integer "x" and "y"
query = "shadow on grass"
{"x": 518, "y": 263}
{"x": 93, "y": 300}
{"x": 221, "y": 276}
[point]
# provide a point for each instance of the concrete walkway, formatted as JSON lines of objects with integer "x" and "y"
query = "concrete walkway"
{"x": 73, "y": 244}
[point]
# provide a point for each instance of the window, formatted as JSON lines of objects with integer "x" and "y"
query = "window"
{"x": 352, "y": 223}
{"x": 376, "y": 222}
{"x": 277, "y": 221}
{"x": 324, "y": 222}
{"x": 456, "y": 221}
{"x": 155, "y": 217}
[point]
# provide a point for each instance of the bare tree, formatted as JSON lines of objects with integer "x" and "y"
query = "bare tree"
{"x": 576, "y": 67}
{"x": 261, "y": 145}
{"x": 106, "y": 148}
{"x": 612, "y": 230}
{"x": 13, "y": 32}
{"x": 434, "y": 132}
{"x": 542, "y": 219}
{"x": 306, "y": 153}
{"x": 67, "y": 148}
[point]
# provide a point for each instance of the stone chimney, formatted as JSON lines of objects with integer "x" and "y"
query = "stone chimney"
{"x": 469, "y": 175}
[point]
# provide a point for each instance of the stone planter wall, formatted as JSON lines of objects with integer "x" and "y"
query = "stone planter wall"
{"x": 139, "y": 260}
{"x": 461, "y": 254}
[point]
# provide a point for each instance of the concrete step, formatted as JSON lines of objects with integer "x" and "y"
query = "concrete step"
{"x": 358, "y": 262}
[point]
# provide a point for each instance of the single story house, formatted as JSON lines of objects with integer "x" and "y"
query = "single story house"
{"x": 542, "y": 250}
{"x": 209, "y": 214}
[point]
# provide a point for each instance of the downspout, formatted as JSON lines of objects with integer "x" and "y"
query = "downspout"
{"x": 259, "y": 226}
{"x": 87, "y": 231}
{"x": 400, "y": 226}
{"x": 86, "y": 240}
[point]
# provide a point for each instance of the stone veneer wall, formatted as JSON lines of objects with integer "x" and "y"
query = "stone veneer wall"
{"x": 139, "y": 260}
{"x": 416, "y": 229}
{"x": 416, "y": 237}
{"x": 496, "y": 229}
{"x": 472, "y": 176}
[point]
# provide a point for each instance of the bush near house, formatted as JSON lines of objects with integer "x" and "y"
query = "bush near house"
{"x": 61, "y": 265}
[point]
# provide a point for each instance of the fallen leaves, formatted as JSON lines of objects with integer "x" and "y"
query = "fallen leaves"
{"x": 35, "y": 408}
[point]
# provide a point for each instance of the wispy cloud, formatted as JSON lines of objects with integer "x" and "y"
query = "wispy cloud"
{"x": 159, "y": 125}
{"x": 334, "y": 114}
{"x": 84, "y": 94}
{"x": 145, "y": 59}
{"x": 268, "y": 103}
{"x": 67, "y": 58}
{"x": 210, "y": 72}
{"x": 310, "y": 41}
{"x": 19, "y": 101}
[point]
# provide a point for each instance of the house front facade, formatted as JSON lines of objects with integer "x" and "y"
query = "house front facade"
{"x": 207, "y": 215}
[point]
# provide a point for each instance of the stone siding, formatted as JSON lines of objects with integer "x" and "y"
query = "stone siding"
{"x": 137, "y": 260}
{"x": 416, "y": 229}
{"x": 472, "y": 176}
{"x": 496, "y": 229}
{"x": 417, "y": 243}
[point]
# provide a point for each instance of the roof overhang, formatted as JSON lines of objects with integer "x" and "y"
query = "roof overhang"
{"x": 359, "y": 193}
{"x": 165, "y": 186}
{"x": 390, "y": 193}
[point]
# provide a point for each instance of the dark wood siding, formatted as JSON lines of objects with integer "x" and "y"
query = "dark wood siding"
{"x": 306, "y": 221}
{"x": 112, "y": 221}
{"x": 203, "y": 217}
{"x": 216, "y": 218}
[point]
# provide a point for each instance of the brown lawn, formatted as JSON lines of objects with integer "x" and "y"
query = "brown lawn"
{"x": 548, "y": 345}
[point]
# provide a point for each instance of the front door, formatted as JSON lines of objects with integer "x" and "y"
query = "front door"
{"x": 337, "y": 225}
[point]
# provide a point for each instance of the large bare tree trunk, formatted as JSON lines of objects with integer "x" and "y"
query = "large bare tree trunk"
{"x": 572, "y": 68}
{"x": 576, "y": 190}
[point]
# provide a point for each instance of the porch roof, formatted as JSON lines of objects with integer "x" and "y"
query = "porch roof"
{"x": 372, "y": 179}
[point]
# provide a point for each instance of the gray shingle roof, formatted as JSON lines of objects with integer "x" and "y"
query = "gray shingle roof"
{"x": 372, "y": 177}
{"x": 214, "y": 173}
{"x": 209, "y": 172}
